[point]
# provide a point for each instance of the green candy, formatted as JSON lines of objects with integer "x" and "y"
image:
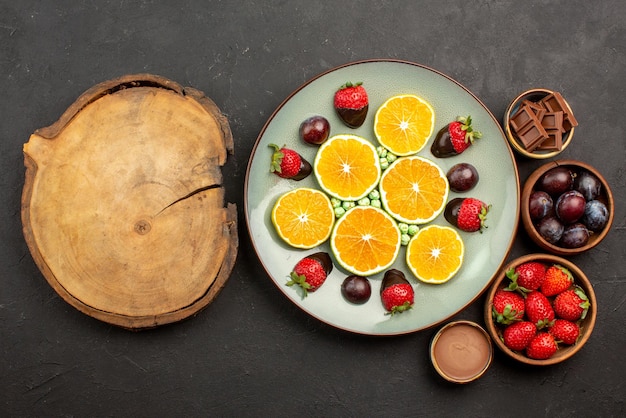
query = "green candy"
{"x": 404, "y": 239}
{"x": 374, "y": 195}
{"x": 413, "y": 229}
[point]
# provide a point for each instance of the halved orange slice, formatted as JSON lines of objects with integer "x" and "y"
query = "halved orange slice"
{"x": 435, "y": 254}
{"x": 365, "y": 240}
{"x": 414, "y": 190}
{"x": 303, "y": 217}
{"x": 404, "y": 123}
{"x": 347, "y": 167}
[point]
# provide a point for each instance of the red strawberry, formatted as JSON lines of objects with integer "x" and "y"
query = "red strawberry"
{"x": 507, "y": 307}
{"x": 558, "y": 279}
{"x": 542, "y": 346}
{"x": 396, "y": 292}
{"x": 538, "y": 309}
{"x": 288, "y": 164}
{"x": 527, "y": 276}
{"x": 572, "y": 304}
{"x": 351, "y": 104}
{"x": 467, "y": 213}
{"x": 454, "y": 138}
{"x": 517, "y": 336}
{"x": 565, "y": 331}
{"x": 311, "y": 272}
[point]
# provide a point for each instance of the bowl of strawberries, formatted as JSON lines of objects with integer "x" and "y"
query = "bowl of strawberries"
{"x": 541, "y": 309}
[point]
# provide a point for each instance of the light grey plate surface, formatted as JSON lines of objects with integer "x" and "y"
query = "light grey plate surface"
{"x": 499, "y": 186}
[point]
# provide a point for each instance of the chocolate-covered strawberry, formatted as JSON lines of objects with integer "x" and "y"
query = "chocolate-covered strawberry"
{"x": 351, "y": 103}
{"x": 454, "y": 138}
{"x": 311, "y": 272}
{"x": 467, "y": 213}
{"x": 396, "y": 292}
{"x": 287, "y": 163}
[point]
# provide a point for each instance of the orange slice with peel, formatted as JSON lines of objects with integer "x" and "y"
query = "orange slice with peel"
{"x": 435, "y": 254}
{"x": 414, "y": 190}
{"x": 303, "y": 217}
{"x": 365, "y": 240}
{"x": 404, "y": 123}
{"x": 347, "y": 167}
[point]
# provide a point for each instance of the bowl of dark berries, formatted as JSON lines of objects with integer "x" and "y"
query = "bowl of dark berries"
{"x": 567, "y": 207}
{"x": 540, "y": 310}
{"x": 539, "y": 123}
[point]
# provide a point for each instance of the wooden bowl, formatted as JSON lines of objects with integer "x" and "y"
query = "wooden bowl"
{"x": 532, "y": 95}
{"x": 606, "y": 197}
{"x": 586, "y": 325}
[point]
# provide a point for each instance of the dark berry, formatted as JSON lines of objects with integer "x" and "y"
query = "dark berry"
{"x": 596, "y": 215}
{"x": 551, "y": 229}
{"x": 462, "y": 177}
{"x": 540, "y": 205}
{"x": 356, "y": 289}
{"x": 556, "y": 181}
{"x": 575, "y": 236}
{"x": 570, "y": 206}
{"x": 315, "y": 130}
{"x": 588, "y": 184}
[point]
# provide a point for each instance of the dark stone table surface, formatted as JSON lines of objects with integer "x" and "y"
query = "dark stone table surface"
{"x": 252, "y": 352}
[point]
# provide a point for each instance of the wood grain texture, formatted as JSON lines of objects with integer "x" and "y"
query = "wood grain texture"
{"x": 123, "y": 205}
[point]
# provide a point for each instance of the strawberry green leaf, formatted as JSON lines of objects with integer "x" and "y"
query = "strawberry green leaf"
{"x": 400, "y": 308}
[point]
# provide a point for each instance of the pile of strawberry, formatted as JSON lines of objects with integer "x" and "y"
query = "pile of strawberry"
{"x": 540, "y": 308}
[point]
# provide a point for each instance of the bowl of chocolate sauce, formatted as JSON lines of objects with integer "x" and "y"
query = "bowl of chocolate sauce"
{"x": 461, "y": 351}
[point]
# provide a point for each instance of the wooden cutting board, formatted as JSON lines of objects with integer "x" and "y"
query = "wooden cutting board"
{"x": 123, "y": 204}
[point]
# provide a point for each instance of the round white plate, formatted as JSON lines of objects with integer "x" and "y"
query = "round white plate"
{"x": 499, "y": 186}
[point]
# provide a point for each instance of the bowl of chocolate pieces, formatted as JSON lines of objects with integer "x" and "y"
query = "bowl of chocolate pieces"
{"x": 539, "y": 123}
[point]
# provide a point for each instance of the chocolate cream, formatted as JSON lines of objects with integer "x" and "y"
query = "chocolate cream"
{"x": 462, "y": 351}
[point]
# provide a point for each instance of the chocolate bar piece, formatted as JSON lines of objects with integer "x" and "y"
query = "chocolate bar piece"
{"x": 536, "y": 107}
{"x": 553, "y": 120}
{"x": 554, "y": 103}
{"x": 567, "y": 122}
{"x": 531, "y": 136}
{"x": 554, "y": 141}
{"x": 522, "y": 117}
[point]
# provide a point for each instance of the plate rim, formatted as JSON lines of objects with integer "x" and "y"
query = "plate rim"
{"x": 458, "y": 84}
